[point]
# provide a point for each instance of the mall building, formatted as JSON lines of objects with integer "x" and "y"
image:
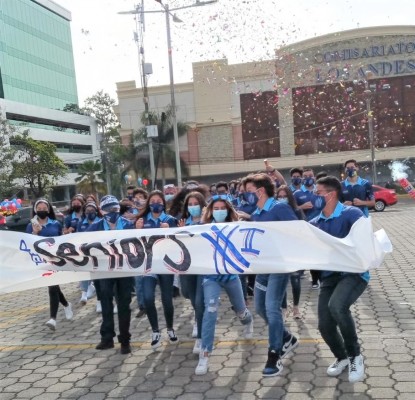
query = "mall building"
{"x": 309, "y": 107}
{"x": 37, "y": 80}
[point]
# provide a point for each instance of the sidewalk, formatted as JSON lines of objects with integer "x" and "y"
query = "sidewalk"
{"x": 36, "y": 363}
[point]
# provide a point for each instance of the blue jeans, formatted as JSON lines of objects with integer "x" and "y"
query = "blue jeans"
{"x": 149, "y": 292}
{"x": 139, "y": 291}
{"x": 335, "y": 322}
{"x": 296, "y": 287}
{"x": 211, "y": 293}
{"x": 192, "y": 289}
{"x": 83, "y": 285}
{"x": 269, "y": 293}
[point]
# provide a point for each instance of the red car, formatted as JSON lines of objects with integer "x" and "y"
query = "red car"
{"x": 384, "y": 197}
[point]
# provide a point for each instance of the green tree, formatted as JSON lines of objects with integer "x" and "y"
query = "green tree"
{"x": 90, "y": 179}
{"x": 165, "y": 156}
{"x": 7, "y": 187}
{"x": 100, "y": 106}
{"x": 36, "y": 164}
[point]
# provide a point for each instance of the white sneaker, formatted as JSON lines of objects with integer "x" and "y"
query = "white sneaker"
{"x": 337, "y": 367}
{"x": 198, "y": 346}
{"x": 172, "y": 336}
{"x": 91, "y": 291}
{"x": 68, "y": 311}
{"x": 356, "y": 369}
{"x": 155, "y": 340}
{"x": 115, "y": 309}
{"x": 99, "y": 307}
{"x": 84, "y": 298}
{"x": 51, "y": 324}
{"x": 194, "y": 332}
{"x": 249, "y": 330}
{"x": 203, "y": 365}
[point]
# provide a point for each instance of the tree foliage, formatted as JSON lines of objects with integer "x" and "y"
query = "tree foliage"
{"x": 36, "y": 164}
{"x": 165, "y": 155}
{"x": 90, "y": 178}
{"x": 100, "y": 106}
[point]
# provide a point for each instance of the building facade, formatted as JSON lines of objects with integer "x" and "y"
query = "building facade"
{"x": 37, "y": 80}
{"x": 310, "y": 106}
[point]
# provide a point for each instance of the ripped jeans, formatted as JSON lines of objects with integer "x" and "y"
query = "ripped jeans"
{"x": 211, "y": 293}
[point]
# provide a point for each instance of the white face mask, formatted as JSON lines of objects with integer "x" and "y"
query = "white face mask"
{"x": 220, "y": 215}
{"x": 283, "y": 200}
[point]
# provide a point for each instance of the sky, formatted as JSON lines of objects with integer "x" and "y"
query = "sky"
{"x": 239, "y": 30}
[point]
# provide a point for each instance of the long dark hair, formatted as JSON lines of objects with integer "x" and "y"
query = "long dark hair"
{"x": 200, "y": 199}
{"x": 80, "y": 199}
{"x": 147, "y": 207}
{"x": 176, "y": 205}
{"x": 291, "y": 200}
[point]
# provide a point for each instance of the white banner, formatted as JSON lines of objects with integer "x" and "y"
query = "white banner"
{"x": 30, "y": 261}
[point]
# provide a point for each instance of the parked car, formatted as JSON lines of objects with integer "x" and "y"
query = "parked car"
{"x": 384, "y": 197}
{"x": 18, "y": 222}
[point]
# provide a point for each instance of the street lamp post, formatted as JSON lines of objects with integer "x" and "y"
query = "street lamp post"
{"x": 368, "y": 97}
{"x": 168, "y": 13}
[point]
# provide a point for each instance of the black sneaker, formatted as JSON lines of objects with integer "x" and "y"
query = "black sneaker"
{"x": 105, "y": 345}
{"x": 274, "y": 366}
{"x": 125, "y": 348}
{"x": 289, "y": 346}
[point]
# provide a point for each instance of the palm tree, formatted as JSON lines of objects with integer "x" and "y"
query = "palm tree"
{"x": 164, "y": 153}
{"x": 90, "y": 177}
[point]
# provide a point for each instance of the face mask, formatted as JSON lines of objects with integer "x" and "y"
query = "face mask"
{"x": 250, "y": 198}
{"x": 140, "y": 203}
{"x": 91, "y": 216}
{"x": 296, "y": 181}
{"x": 351, "y": 172}
{"x": 277, "y": 183}
{"x": 130, "y": 197}
{"x": 220, "y": 215}
{"x": 283, "y": 200}
{"x": 168, "y": 197}
{"x": 194, "y": 211}
{"x": 42, "y": 214}
{"x": 308, "y": 181}
{"x": 112, "y": 217}
{"x": 77, "y": 208}
{"x": 319, "y": 202}
{"x": 156, "y": 208}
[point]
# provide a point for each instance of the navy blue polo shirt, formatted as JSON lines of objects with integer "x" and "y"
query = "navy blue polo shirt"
{"x": 303, "y": 196}
{"x": 72, "y": 220}
{"x": 362, "y": 190}
{"x": 102, "y": 225}
{"x": 51, "y": 228}
{"x": 338, "y": 224}
{"x": 273, "y": 210}
{"x": 151, "y": 222}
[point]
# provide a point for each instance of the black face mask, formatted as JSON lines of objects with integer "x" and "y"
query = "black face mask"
{"x": 77, "y": 208}
{"x": 42, "y": 214}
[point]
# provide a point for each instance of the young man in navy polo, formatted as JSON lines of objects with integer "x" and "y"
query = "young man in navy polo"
{"x": 270, "y": 288}
{"x": 356, "y": 191}
{"x": 110, "y": 208}
{"x": 339, "y": 290}
{"x": 296, "y": 175}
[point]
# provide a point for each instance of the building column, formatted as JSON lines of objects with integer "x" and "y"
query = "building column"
{"x": 286, "y": 122}
{"x": 66, "y": 194}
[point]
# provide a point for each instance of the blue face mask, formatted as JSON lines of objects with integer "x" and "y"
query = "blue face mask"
{"x": 283, "y": 200}
{"x": 308, "y": 181}
{"x": 250, "y": 198}
{"x": 168, "y": 197}
{"x": 194, "y": 211}
{"x": 351, "y": 172}
{"x": 220, "y": 215}
{"x": 112, "y": 217}
{"x": 91, "y": 216}
{"x": 157, "y": 208}
{"x": 296, "y": 181}
{"x": 319, "y": 202}
{"x": 130, "y": 197}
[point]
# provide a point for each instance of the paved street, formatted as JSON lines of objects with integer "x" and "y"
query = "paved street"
{"x": 36, "y": 363}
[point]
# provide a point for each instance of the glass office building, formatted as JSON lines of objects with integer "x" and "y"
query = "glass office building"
{"x": 36, "y": 58}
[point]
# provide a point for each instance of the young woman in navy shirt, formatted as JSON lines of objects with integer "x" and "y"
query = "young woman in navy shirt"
{"x": 44, "y": 223}
{"x": 75, "y": 215}
{"x": 154, "y": 216}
